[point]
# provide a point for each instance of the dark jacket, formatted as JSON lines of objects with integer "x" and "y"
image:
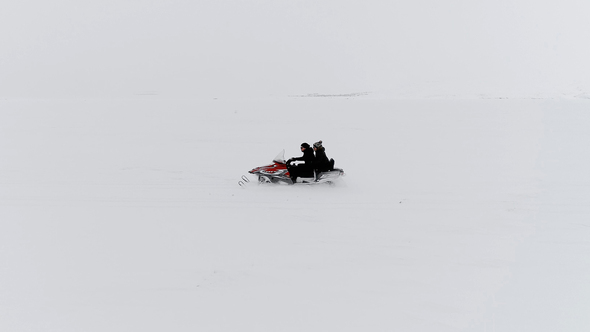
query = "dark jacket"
{"x": 308, "y": 158}
{"x": 302, "y": 170}
{"x": 321, "y": 162}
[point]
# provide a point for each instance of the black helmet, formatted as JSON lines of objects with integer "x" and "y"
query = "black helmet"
{"x": 305, "y": 145}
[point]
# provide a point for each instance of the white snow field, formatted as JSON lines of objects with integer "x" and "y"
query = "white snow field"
{"x": 454, "y": 215}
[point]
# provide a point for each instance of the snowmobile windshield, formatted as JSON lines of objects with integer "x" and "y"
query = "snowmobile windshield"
{"x": 280, "y": 158}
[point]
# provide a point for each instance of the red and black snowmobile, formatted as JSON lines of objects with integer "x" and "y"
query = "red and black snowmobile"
{"x": 278, "y": 173}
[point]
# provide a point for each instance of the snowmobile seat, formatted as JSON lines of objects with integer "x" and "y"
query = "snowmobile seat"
{"x": 318, "y": 172}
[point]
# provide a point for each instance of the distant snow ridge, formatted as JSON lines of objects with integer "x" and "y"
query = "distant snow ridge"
{"x": 583, "y": 95}
{"x": 318, "y": 95}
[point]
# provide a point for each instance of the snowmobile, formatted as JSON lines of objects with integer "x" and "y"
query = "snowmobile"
{"x": 278, "y": 173}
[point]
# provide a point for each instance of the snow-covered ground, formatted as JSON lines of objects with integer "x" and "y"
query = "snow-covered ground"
{"x": 126, "y": 125}
{"x": 454, "y": 215}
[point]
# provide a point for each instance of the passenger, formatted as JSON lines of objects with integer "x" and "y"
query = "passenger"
{"x": 321, "y": 162}
{"x": 305, "y": 169}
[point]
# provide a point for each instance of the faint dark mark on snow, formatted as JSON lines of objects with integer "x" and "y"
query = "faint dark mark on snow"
{"x": 147, "y": 93}
{"x": 175, "y": 289}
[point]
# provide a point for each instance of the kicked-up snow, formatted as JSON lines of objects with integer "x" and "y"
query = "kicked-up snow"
{"x": 456, "y": 215}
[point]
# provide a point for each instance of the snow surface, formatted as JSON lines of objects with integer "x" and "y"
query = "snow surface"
{"x": 125, "y": 215}
{"x": 125, "y": 126}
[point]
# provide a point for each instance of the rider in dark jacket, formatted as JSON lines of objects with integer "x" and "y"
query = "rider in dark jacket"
{"x": 305, "y": 169}
{"x": 321, "y": 162}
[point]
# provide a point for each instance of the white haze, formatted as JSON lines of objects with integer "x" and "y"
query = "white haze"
{"x": 462, "y": 127}
{"x": 405, "y": 49}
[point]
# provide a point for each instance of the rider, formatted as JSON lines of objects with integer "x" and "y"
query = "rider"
{"x": 305, "y": 169}
{"x": 321, "y": 162}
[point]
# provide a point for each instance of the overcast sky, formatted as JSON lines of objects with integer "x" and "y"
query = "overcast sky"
{"x": 214, "y": 48}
